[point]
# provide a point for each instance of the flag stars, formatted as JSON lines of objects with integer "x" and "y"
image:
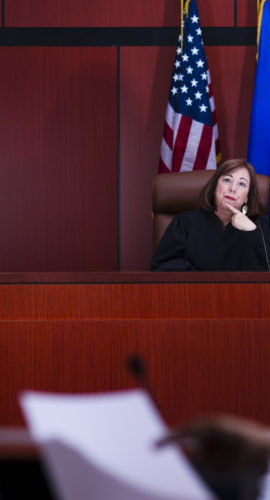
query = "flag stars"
{"x": 194, "y": 83}
{"x": 203, "y": 108}
{"x": 190, "y": 81}
{"x": 200, "y": 63}
{"x": 195, "y": 51}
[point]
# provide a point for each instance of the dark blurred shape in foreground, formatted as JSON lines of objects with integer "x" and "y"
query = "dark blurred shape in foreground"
{"x": 231, "y": 454}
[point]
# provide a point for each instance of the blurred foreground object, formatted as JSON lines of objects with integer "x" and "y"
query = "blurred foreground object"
{"x": 102, "y": 447}
{"x": 231, "y": 454}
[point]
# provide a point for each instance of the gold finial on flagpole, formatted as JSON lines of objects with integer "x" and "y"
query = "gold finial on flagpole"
{"x": 260, "y": 5}
{"x": 182, "y": 21}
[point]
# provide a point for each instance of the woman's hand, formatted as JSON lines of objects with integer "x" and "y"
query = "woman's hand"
{"x": 240, "y": 220}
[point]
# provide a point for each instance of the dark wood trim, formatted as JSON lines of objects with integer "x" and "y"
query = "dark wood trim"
{"x": 133, "y": 277}
{"x": 89, "y": 37}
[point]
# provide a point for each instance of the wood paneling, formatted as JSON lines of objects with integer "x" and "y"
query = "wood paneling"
{"x": 145, "y": 81}
{"x": 56, "y": 356}
{"x": 58, "y": 191}
{"x": 197, "y": 367}
{"x": 232, "y": 72}
{"x": 216, "y": 12}
{"x": 104, "y": 13}
{"x": 193, "y": 366}
{"x": 135, "y": 300}
{"x": 206, "y": 345}
{"x": 106, "y": 278}
{"x": 112, "y": 13}
{"x": 246, "y": 13}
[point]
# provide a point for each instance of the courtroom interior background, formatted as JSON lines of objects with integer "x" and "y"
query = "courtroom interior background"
{"x": 83, "y": 94}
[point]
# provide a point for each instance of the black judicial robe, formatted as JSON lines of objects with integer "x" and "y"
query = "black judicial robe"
{"x": 198, "y": 241}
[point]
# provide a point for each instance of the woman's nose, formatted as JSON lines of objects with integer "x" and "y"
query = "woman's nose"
{"x": 232, "y": 186}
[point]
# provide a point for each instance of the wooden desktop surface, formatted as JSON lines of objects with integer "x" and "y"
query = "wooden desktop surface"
{"x": 204, "y": 338}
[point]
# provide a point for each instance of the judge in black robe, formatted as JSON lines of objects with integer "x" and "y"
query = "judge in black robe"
{"x": 201, "y": 240}
{"x": 197, "y": 241}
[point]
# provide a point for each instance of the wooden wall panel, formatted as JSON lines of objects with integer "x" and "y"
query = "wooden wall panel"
{"x": 216, "y": 12}
{"x": 232, "y": 72}
{"x": 112, "y": 13}
{"x": 58, "y": 190}
{"x": 56, "y": 356}
{"x": 214, "y": 297}
{"x": 145, "y": 80}
{"x": 84, "y": 13}
{"x": 193, "y": 367}
{"x": 196, "y": 367}
{"x": 206, "y": 345}
{"x": 246, "y": 13}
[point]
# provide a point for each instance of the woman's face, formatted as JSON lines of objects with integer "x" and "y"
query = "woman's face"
{"x": 233, "y": 188}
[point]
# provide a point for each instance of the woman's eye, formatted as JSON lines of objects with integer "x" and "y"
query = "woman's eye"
{"x": 226, "y": 179}
{"x": 242, "y": 184}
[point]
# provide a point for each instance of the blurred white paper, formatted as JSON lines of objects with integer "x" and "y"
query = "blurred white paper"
{"x": 265, "y": 489}
{"x": 103, "y": 447}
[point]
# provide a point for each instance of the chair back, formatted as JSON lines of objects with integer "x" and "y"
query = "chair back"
{"x": 179, "y": 192}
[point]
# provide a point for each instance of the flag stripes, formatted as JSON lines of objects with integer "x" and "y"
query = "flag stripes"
{"x": 190, "y": 138}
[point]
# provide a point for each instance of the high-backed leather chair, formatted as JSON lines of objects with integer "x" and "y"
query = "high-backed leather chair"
{"x": 179, "y": 192}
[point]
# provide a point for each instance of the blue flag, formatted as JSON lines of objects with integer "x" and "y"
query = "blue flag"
{"x": 259, "y": 132}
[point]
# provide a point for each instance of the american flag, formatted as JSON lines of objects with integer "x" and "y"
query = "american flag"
{"x": 190, "y": 139}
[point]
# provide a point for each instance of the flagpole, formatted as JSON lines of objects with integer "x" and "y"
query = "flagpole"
{"x": 260, "y": 5}
{"x": 182, "y": 27}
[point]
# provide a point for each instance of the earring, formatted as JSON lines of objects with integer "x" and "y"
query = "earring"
{"x": 244, "y": 209}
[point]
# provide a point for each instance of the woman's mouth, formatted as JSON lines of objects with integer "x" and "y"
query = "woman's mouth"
{"x": 230, "y": 198}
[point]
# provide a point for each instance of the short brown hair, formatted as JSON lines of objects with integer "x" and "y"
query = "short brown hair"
{"x": 207, "y": 195}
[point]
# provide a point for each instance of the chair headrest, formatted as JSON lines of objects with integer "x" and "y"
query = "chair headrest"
{"x": 178, "y": 192}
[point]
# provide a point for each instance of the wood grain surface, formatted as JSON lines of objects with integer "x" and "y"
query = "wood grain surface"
{"x": 205, "y": 345}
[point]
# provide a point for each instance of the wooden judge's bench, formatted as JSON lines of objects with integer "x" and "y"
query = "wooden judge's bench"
{"x": 204, "y": 338}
